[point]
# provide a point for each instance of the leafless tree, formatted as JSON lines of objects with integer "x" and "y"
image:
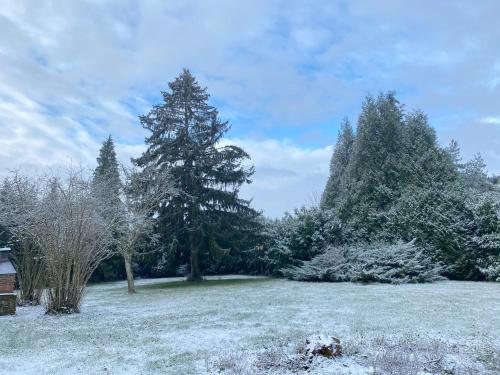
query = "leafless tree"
{"x": 143, "y": 193}
{"x": 18, "y": 197}
{"x": 65, "y": 227}
{"x": 66, "y": 223}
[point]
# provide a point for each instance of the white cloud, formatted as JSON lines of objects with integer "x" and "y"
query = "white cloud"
{"x": 491, "y": 120}
{"x": 287, "y": 176}
{"x": 73, "y": 72}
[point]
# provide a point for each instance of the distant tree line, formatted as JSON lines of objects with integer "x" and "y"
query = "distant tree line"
{"x": 397, "y": 207}
{"x": 389, "y": 182}
{"x": 200, "y": 225}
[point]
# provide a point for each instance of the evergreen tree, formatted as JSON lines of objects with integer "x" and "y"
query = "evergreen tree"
{"x": 422, "y": 161}
{"x": 338, "y": 179}
{"x": 371, "y": 182}
{"x": 391, "y": 181}
{"x": 108, "y": 186}
{"x": 377, "y": 150}
{"x": 106, "y": 175}
{"x": 474, "y": 174}
{"x": 185, "y": 141}
{"x": 453, "y": 151}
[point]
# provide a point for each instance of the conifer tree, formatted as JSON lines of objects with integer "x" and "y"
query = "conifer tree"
{"x": 422, "y": 161}
{"x": 108, "y": 187}
{"x": 393, "y": 154}
{"x": 106, "y": 175}
{"x": 185, "y": 141}
{"x": 377, "y": 150}
{"x": 338, "y": 178}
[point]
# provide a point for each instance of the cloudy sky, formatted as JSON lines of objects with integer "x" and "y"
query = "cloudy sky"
{"x": 284, "y": 73}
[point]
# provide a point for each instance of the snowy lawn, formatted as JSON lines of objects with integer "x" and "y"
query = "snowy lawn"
{"x": 174, "y": 327}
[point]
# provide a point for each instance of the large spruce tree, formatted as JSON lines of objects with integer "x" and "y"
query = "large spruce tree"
{"x": 186, "y": 141}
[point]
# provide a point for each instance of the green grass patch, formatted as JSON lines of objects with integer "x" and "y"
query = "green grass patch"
{"x": 202, "y": 283}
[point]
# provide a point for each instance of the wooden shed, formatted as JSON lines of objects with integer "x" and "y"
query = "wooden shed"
{"x": 7, "y": 283}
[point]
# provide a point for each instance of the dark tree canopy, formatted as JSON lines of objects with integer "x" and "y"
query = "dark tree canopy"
{"x": 392, "y": 181}
{"x": 186, "y": 140}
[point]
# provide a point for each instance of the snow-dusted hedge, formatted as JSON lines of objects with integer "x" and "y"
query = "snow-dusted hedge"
{"x": 492, "y": 270}
{"x": 380, "y": 262}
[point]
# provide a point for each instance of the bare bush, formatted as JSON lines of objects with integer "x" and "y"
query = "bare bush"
{"x": 30, "y": 272}
{"x": 231, "y": 363}
{"x": 396, "y": 361}
{"x": 66, "y": 225}
{"x": 73, "y": 237}
{"x": 407, "y": 355}
{"x": 379, "y": 355}
{"x": 18, "y": 198}
{"x": 276, "y": 357}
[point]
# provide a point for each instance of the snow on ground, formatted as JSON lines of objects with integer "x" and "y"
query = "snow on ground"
{"x": 173, "y": 327}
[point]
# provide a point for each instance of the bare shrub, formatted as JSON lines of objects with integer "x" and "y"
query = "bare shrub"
{"x": 30, "y": 272}
{"x": 65, "y": 224}
{"x": 276, "y": 357}
{"x": 378, "y": 355}
{"x": 231, "y": 363}
{"x": 73, "y": 237}
{"x": 18, "y": 199}
{"x": 407, "y": 355}
{"x": 396, "y": 361}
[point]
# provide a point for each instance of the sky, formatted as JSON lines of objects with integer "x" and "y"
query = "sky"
{"x": 283, "y": 73}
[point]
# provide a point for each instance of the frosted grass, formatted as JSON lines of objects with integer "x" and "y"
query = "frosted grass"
{"x": 173, "y": 327}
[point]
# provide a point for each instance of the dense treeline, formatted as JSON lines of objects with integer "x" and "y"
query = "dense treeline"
{"x": 397, "y": 207}
{"x": 201, "y": 225}
{"x": 390, "y": 181}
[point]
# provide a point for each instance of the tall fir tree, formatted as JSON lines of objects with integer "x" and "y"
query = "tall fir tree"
{"x": 338, "y": 179}
{"x": 185, "y": 141}
{"x": 376, "y": 150}
{"x": 108, "y": 186}
{"x": 107, "y": 175}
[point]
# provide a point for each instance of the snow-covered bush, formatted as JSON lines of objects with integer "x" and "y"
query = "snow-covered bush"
{"x": 379, "y": 262}
{"x": 491, "y": 270}
{"x": 299, "y": 237}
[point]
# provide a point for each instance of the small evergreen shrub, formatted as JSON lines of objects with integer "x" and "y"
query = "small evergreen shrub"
{"x": 491, "y": 271}
{"x": 380, "y": 262}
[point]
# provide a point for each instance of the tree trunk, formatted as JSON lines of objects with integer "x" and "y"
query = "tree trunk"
{"x": 130, "y": 274}
{"x": 195, "y": 259}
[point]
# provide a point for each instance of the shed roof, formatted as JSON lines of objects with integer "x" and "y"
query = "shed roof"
{"x": 6, "y": 268}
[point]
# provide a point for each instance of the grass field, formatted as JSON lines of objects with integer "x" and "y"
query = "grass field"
{"x": 174, "y": 327}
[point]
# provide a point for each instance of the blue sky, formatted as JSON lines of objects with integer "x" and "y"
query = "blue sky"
{"x": 284, "y": 73}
